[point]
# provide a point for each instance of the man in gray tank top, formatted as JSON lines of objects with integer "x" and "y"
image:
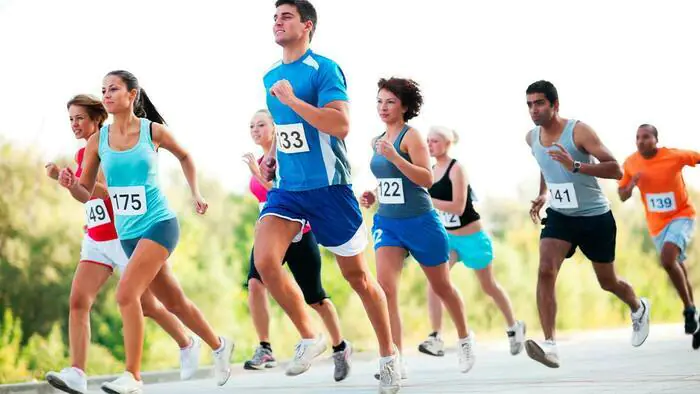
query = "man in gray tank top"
{"x": 578, "y": 215}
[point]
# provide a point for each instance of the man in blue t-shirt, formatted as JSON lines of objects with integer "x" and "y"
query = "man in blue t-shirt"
{"x": 307, "y": 97}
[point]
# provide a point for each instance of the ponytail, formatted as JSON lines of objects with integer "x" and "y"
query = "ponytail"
{"x": 144, "y": 108}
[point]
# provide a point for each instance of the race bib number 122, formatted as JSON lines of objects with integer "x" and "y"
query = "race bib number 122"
{"x": 391, "y": 191}
{"x": 129, "y": 200}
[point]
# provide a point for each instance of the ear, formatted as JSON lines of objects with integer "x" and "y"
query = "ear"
{"x": 132, "y": 95}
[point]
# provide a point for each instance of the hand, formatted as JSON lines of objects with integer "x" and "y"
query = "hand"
{"x": 562, "y": 156}
{"x": 282, "y": 89}
{"x": 368, "y": 199}
{"x": 249, "y": 159}
{"x": 52, "y": 170}
{"x": 67, "y": 179}
{"x": 537, "y": 205}
{"x": 268, "y": 167}
{"x": 200, "y": 205}
{"x": 386, "y": 149}
{"x": 635, "y": 178}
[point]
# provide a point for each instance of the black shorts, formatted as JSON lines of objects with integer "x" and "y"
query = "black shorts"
{"x": 594, "y": 235}
{"x": 304, "y": 259}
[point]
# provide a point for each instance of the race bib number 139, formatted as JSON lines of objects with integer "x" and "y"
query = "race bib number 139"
{"x": 129, "y": 200}
{"x": 661, "y": 202}
{"x": 562, "y": 195}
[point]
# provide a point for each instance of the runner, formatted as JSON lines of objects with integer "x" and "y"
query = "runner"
{"x": 658, "y": 173}
{"x": 304, "y": 261}
{"x": 452, "y": 196}
{"x": 306, "y": 94}
{"x": 148, "y": 230}
{"x": 579, "y": 214}
{"x": 406, "y": 221}
{"x": 101, "y": 253}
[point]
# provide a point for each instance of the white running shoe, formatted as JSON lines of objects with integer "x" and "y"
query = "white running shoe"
{"x": 222, "y": 362}
{"x": 465, "y": 353}
{"x": 389, "y": 376}
{"x": 516, "y": 337}
{"x": 125, "y": 384}
{"x": 306, "y": 351}
{"x": 189, "y": 359}
{"x": 640, "y": 323}
{"x": 545, "y": 353}
{"x": 403, "y": 370}
{"x": 69, "y": 380}
{"x": 433, "y": 346}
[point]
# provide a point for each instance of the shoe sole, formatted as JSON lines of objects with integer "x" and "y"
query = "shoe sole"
{"x": 61, "y": 385}
{"x": 536, "y": 353}
{"x": 267, "y": 365}
{"x": 110, "y": 391}
{"x": 424, "y": 350}
{"x": 696, "y": 341}
{"x": 228, "y": 375}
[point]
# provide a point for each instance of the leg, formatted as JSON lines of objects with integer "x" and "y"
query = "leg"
{"x": 552, "y": 254}
{"x": 273, "y": 235}
{"x": 434, "y": 303}
{"x": 153, "y": 309}
{"x": 87, "y": 282}
{"x": 439, "y": 279}
{"x": 259, "y": 309}
{"x": 687, "y": 282}
{"x": 389, "y": 265}
{"x": 494, "y": 290}
{"x": 609, "y": 281}
{"x": 670, "y": 253}
{"x": 329, "y": 315}
{"x": 356, "y": 272}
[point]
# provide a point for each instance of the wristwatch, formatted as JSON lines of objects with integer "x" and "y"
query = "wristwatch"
{"x": 577, "y": 166}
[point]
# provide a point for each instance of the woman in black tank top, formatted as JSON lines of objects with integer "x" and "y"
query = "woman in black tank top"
{"x": 452, "y": 197}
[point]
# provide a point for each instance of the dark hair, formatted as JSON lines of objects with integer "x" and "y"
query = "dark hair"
{"x": 407, "y": 91}
{"x": 143, "y": 107}
{"x": 306, "y": 10}
{"x": 93, "y": 106}
{"x": 653, "y": 129}
{"x": 546, "y": 88}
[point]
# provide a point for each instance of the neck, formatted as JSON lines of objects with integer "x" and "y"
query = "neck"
{"x": 442, "y": 159}
{"x": 266, "y": 148}
{"x": 650, "y": 154}
{"x": 122, "y": 120}
{"x": 554, "y": 126}
{"x": 393, "y": 129}
{"x": 294, "y": 52}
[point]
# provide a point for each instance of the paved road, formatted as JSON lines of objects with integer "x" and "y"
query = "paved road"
{"x": 601, "y": 362}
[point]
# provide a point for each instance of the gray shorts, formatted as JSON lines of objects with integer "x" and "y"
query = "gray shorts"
{"x": 679, "y": 232}
{"x": 165, "y": 233}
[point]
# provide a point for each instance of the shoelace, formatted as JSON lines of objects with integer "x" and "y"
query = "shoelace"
{"x": 466, "y": 350}
{"x": 386, "y": 373}
{"x": 300, "y": 350}
{"x": 259, "y": 354}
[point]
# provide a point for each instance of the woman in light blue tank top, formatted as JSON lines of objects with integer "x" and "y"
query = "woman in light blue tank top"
{"x": 147, "y": 228}
{"x": 406, "y": 222}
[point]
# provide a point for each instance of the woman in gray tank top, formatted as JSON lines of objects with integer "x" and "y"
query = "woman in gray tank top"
{"x": 406, "y": 222}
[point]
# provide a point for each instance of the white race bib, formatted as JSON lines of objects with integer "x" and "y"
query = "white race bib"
{"x": 562, "y": 195}
{"x": 391, "y": 191}
{"x": 261, "y": 205}
{"x": 661, "y": 202}
{"x": 449, "y": 219}
{"x": 291, "y": 138}
{"x": 129, "y": 200}
{"x": 96, "y": 213}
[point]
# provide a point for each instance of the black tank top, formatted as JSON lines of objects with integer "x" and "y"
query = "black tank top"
{"x": 442, "y": 190}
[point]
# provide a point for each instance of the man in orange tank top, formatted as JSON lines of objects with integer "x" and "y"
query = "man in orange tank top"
{"x": 670, "y": 214}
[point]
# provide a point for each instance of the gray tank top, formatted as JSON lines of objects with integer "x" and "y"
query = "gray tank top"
{"x": 569, "y": 193}
{"x": 398, "y": 196}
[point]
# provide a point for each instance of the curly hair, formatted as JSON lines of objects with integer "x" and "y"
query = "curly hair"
{"x": 407, "y": 91}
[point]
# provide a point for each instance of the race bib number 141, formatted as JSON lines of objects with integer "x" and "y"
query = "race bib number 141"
{"x": 562, "y": 195}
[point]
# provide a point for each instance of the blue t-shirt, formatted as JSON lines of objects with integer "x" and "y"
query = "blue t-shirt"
{"x": 307, "y": 158}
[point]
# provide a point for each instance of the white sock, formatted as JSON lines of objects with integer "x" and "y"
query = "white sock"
{"x": 223, "y": 345}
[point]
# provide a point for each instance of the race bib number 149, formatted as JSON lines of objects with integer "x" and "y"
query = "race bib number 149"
{"x": 96, "y": 213}
{"x": 129, "y": 200}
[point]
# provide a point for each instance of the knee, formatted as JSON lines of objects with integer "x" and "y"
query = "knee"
{"x": 80, "y": 301}
{"x": 357, "y": 279}
{"x": 547, "y": 270}
{"x": 490, "y": 288}
{"x": 125, "y": 297}
{"x": 668, "y": 259}
{"x": 256, "y": 288}
{"x": 442, "y": 290}
{"x": 608, "y": 284}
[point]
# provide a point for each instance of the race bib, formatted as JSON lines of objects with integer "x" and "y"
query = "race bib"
{"x": 391, "y": 191}
{"x": 129, "y": 200}
{"x": 562, "y": 195}
{"x": 96, "y": 213}
{"x": 449, "y": 219}
{"x": 661, "y": 202}
{"x": 261, "y": 205}
{"x": 291, "y": 138}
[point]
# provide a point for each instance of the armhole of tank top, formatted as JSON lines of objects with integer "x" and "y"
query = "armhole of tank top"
{"x": 571, "y": 128}
{"x": 148, "y": 137}
{"x": 104, "y": 132}
{"x": 449, "y": 168}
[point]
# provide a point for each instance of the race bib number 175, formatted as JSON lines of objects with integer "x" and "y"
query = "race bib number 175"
{"x": 128, "y": 200}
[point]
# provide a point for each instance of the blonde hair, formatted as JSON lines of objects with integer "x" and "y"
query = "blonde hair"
{"x": 449, "y": 134}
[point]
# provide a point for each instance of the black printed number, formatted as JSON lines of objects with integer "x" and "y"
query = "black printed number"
{"x": 97, "y": 213}
{"x": 289, "y": 140}
{"x": 127, "y": 201}
{"x": 387, "y": 190}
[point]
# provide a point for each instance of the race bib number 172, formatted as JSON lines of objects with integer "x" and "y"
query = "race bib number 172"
{"x": 562, "y": 195}
{"x": 128, "y": 200}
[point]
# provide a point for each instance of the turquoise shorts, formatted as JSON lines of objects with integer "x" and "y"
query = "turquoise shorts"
{"x": 678, "y": 232}
{"x": 474, "y": 250}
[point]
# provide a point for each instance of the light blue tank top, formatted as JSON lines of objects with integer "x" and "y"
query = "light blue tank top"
{"x": 132, "y": 181}
{"x": 398, "y": 196}
{"x": 571, "y": 194}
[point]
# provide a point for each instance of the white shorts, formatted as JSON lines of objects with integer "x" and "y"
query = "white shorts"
{"x": 107, "y": 253}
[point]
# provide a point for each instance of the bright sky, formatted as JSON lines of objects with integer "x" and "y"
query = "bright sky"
{"x": 616, "y": 64}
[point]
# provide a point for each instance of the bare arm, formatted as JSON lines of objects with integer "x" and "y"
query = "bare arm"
{"x": 608, "y": 167}
{"x": 419, "y": 170}
{"x": 333, "y": 118}
{"x": 162, "y": 137}
{"x": 85, "y": 187}
{"x": 100, "y": 186}
{"x": 460, "y": 185}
